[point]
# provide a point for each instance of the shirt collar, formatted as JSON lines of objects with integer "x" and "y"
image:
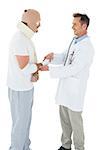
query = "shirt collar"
{"x": 78, "y": 39}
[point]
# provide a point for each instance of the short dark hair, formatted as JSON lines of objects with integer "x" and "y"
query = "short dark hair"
{"x": 83, "y": 18}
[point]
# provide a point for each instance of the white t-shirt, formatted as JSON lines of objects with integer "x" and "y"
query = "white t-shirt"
{"x": 20, "y": 79}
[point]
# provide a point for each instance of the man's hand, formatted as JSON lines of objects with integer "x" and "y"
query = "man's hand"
{"x": 35, "y": 77}
{"x": 49, "y": 56}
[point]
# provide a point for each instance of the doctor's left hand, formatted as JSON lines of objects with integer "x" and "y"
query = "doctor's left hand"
{"x": 44, "y": 68}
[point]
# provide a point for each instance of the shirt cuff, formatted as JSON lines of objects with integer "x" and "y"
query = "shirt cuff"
{"x": 53, "y": 72}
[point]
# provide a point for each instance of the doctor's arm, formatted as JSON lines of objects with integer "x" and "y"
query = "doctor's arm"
{"x": 83, "y": 58}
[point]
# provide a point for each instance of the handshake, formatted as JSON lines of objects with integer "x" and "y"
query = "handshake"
{"x": 42, "y": 66}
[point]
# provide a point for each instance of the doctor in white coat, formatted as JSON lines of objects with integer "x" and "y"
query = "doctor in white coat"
{"x": 72, "y": 69}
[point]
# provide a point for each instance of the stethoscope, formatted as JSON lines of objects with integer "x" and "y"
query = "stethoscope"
{"x": 68, "y": 51}
{"x": 75, "y": 42}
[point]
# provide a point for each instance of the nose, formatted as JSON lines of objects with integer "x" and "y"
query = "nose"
{"x": 72, "y": 26}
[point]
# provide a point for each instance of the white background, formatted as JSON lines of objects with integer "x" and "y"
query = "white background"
{"x": 54, "y": 35}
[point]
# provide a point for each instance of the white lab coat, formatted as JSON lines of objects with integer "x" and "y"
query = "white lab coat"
{"x": 73, "y": 76}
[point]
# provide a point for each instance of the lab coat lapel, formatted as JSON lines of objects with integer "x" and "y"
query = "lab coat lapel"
{"x": 68, "y": 52}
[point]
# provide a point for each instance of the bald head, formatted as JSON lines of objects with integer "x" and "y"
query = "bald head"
{"x": 31, "y": 18}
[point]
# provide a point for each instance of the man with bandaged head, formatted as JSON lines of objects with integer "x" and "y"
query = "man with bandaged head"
{"x": 22, "y": 73}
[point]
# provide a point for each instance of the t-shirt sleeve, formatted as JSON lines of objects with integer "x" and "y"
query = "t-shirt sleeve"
{"x": 19, "y": 47}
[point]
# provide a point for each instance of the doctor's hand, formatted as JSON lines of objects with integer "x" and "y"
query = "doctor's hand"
{"x": 49, "y": 56}
{"x": 44, "y": 68}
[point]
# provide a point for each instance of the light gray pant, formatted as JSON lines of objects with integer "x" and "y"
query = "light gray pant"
{"x": 71, "y": 122}
{"x": 21, "y": 110}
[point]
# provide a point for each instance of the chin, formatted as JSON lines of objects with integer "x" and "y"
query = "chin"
{"x": 75, "y": 33}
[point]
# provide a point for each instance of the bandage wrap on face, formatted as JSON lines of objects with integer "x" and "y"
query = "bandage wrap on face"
{"x": 31, "y": 17}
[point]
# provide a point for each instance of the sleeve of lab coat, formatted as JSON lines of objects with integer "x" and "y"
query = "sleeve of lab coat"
{"x": 82, "y": 58}
{"x": 58, "y": 59}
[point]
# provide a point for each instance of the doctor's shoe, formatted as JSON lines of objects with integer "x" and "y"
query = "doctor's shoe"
{"x": 62, "y": 148}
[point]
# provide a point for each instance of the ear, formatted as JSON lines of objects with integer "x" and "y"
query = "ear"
{"x": 84, "y": 26}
